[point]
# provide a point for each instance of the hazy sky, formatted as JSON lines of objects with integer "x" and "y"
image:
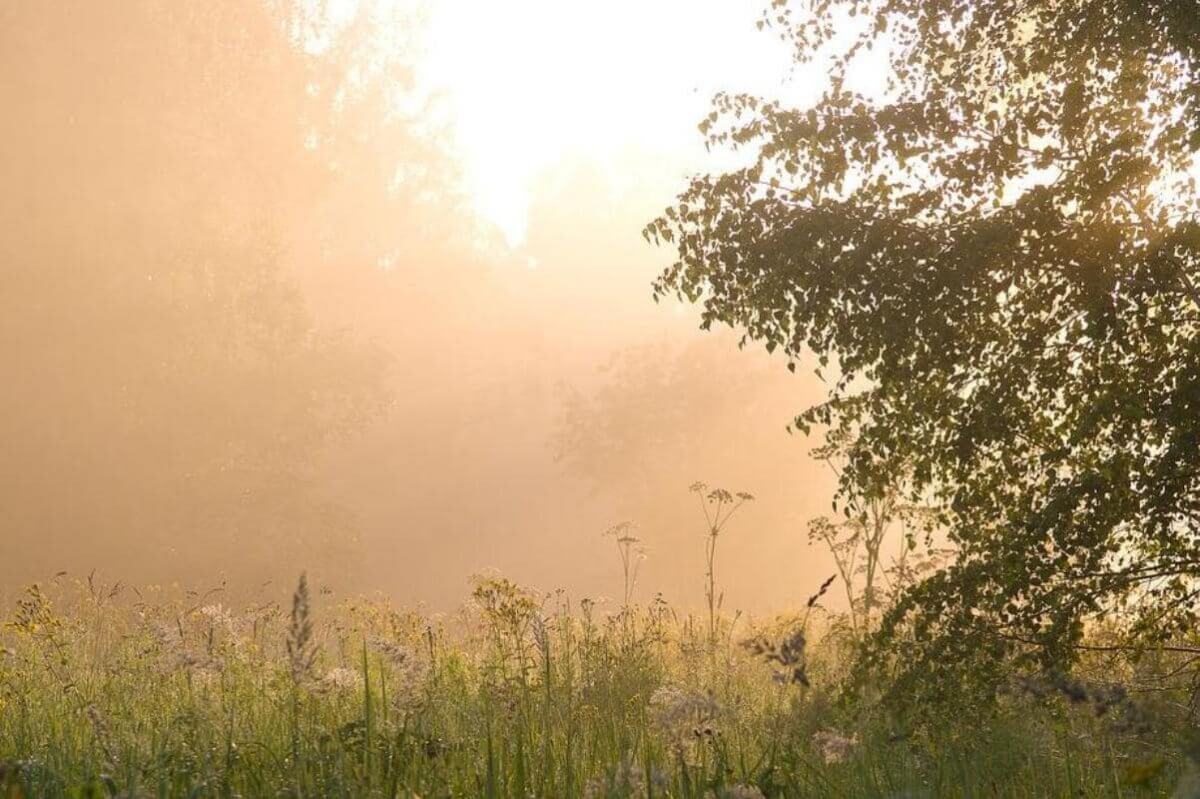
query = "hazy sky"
{"x": 573, "y": 124}
{"x": 534, "y": 84}
{"x": 383, "y": 305}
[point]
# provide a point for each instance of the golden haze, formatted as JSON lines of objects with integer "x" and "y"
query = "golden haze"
{"x": 359, "y": 288}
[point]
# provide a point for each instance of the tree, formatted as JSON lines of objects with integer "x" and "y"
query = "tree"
{"x": 998, "y": 253}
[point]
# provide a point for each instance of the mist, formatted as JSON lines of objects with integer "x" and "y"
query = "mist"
{"x": 255, "y": 320}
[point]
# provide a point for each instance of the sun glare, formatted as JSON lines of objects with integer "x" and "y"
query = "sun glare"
{"x": 533, "y": 83}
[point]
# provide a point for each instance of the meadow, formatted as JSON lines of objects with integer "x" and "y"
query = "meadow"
{"x": 107, "y": 691}
{"x": 355, "y": 287}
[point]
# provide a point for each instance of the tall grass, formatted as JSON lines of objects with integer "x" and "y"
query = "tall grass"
{"x": 520, "y": 694}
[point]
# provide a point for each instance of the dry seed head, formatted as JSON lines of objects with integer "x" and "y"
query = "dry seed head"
{"x": 301, "y": 649}
{"x": 103, "y": 735}
{"x": 787, "y": 657}
{"x": 622, "y": 531}
{"x": 812, "y": 600}
{"x": 719, "y": 495}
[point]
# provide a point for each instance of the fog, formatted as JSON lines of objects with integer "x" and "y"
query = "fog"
{"x": 270, "y": 303}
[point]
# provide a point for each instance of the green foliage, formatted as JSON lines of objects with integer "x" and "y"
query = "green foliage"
{"x": 998, "y": 253}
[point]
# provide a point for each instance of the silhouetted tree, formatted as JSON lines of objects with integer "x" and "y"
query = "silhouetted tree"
{"x": 998, "y": 255}
{"x": 166, "y": 390}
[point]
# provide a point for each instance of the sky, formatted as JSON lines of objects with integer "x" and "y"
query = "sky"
{"x": 534, "y": 84}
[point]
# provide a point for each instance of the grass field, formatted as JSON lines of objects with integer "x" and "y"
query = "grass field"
{"x": 107, "y": 692}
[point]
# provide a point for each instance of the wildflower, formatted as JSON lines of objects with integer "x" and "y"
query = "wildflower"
{"x": 340, "y": 679}
{"x": 174, "y": 651}
{"x": 627, "y": 780}
{"x": 218, "y": 616}
{"x": 409, "y": 669}
{"x": 683, "y": 714}
{"x": 34, "y": 616}
{"x": 737, "y": 792}
{"x": 834, "y": 746}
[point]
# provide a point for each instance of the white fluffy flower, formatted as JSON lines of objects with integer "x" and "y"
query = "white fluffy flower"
{"x": 341, "y": 679}
{"x": 737, "y": 792}
{"x": 834, "y": 746}
{"x": 684, "y": 713}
